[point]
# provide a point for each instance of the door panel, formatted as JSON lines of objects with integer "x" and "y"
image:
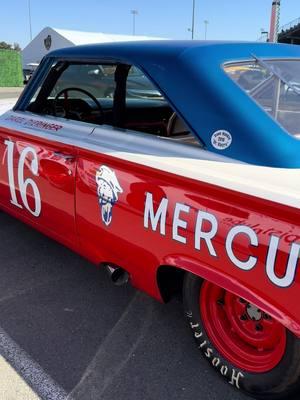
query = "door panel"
{"x": 122, "y": 239}
{"x": 111, "y": 231}
{"x": 37, "y": 178}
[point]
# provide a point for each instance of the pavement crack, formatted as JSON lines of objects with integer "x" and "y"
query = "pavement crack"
{"x": 21, "y": 292}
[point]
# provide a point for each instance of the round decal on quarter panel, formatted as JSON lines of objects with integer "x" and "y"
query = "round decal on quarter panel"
{"x": 221, "y": 139}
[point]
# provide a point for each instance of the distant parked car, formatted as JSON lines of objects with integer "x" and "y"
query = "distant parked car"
{"x": 28, "y": 71}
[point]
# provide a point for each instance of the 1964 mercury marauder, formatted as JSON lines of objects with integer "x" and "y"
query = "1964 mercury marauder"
{"x": 189, "y": 184}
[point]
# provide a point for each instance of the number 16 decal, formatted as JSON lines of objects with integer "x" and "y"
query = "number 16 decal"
{"x": 23, "y": 183}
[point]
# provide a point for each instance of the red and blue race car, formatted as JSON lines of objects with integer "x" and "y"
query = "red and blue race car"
{"x": 185, "y": 179}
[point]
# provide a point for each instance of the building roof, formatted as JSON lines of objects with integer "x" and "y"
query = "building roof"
{"x": 79, "y": 37}
{"x": 49, "y": 39}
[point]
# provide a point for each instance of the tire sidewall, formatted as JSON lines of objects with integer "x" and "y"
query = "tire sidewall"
{"x": 277, "y": 383}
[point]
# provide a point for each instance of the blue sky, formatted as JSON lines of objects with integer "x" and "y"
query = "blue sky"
{"x": 228, "y": 19}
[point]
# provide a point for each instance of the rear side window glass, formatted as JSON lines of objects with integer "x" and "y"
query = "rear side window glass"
{"x": 138, "y": 86}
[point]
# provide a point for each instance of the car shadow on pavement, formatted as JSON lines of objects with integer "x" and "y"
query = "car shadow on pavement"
{"x": 97, "y": 341}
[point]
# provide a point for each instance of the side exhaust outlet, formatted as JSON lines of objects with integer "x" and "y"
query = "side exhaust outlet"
{"x": 117, "y": 275}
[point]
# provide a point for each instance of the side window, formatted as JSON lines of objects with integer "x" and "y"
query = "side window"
{"x": 118, "y": 95}
{"x": 148, "y": 111}
{"x": 76, "y": 92}
{"x": 96, "y": 80}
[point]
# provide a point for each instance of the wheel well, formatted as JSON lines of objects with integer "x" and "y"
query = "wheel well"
{"x": 170, "y": 281}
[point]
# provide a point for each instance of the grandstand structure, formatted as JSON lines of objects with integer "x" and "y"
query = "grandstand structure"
{"x": 290, "y": 33}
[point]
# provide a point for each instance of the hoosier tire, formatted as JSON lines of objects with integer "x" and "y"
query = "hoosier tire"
{"x": 249, "y": 349}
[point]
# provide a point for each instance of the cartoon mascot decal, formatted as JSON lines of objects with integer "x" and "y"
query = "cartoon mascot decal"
{"x": 108, "y": 188}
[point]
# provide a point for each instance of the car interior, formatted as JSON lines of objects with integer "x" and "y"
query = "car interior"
{"x": 117, "y": 95}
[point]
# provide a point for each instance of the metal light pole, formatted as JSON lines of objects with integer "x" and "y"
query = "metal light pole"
{"x": 206, "y": 22}
{"x": 134, "y": 14}
{"x": 29, "y": 15}
{"x": 193, "y": 19}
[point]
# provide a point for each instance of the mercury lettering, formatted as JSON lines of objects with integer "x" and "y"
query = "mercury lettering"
{"x": 156, "y": 215}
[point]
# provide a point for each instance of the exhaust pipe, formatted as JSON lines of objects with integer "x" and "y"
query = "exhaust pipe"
{"x": 117, "y": 275}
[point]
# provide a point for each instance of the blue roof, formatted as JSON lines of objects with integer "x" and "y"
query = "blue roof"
{"x": 176, "y": 48}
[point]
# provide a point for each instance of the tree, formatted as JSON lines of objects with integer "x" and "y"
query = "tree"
{"x": 17, "y": 47}
{"x": 7, "y": 46}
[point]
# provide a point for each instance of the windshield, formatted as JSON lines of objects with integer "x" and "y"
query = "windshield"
{"x": 275, "y": 85}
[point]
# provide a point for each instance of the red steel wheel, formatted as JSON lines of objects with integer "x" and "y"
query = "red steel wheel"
{"x": 243, "y": 334}
{"x": 247, "y": 347}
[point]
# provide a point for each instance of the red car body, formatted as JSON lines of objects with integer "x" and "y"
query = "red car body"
{"x": 70, "y": 214}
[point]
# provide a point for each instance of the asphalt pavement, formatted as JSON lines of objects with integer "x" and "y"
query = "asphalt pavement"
{"x": 8, "y": 98}
{"x": 71, "y": 334}
{"x": 10, "y": 92}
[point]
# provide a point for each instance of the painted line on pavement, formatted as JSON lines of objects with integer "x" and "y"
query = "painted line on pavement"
{"x": 12, "y": 386}
{"x": 41, "y": 383}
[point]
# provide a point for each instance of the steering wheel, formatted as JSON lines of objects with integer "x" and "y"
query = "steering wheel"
{"x": 66, "y": 103}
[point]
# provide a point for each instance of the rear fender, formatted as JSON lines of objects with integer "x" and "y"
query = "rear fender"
{"x": 207, "y": 272}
